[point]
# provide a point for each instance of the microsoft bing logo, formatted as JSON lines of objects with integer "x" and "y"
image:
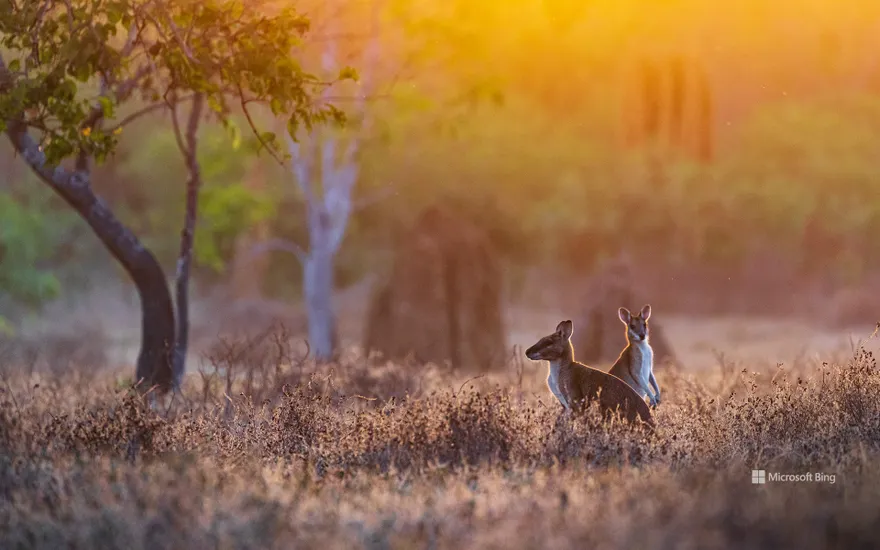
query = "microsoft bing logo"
{"x": 759, "y": 477}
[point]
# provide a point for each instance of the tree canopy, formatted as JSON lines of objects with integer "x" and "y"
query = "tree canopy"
{"x": 70, "y": 65}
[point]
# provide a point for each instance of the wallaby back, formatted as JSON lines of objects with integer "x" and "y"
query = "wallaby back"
{"x": 612, "y": 393}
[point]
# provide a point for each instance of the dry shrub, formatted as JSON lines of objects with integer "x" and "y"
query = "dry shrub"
{"x": 314, "y": 466}
{"x": 600, "y": 336}
{"x": 442, "y": 300}
{"x": 262, "y": 365}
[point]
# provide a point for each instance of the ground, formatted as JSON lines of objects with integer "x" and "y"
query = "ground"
{"x": 371, "y": 455}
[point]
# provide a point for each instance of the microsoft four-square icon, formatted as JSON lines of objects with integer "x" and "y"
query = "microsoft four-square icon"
{"x": 759, "y": 476}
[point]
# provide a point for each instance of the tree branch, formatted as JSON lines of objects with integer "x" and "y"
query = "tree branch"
{"x": 171, "y": 101}
{"x": 338, "y": 200}
{"x": 253, "y": 126}
{"x": 277, "y": 245}
{"x": 375, "y": 198}
{"x": 134, "y": 34}
{"x": 180, "y": 41}
{"x": 301, "y": 164}
{"x": 122, "y": 91}
{"x": 187, "y": 234}
{"x": 147, "y": 110}
{"x": 367, "y": 85}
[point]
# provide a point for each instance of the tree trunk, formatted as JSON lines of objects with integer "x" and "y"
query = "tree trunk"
{"x": 318, "y": 289}
{"x": 154, "y": 364}
{"x": 187, "y": 237}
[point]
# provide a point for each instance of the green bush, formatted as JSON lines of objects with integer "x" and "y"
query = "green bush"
{"x": 32, "y": 228}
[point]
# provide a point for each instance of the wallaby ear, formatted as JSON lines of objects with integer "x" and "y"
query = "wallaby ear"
{"x": 625, "y": 315}
{"x": 564, "y": 329}
{"x": 646, "y": 312}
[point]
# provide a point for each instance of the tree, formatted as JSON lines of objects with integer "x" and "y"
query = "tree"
{"x": 326, "y": 168}
{"x": 327, "y": 164}
{"x": 188, "y": 147}
{"x": 69, "y": 66}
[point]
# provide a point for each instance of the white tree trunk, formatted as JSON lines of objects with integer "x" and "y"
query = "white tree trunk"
{"x": 326, "y": 169}
{"x": 318, "y": 290}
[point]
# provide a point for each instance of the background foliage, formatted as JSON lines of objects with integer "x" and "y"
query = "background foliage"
{"x": 796, "y": 129}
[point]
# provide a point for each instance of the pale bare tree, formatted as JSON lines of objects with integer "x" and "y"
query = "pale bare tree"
{"x": 325, "y": 165}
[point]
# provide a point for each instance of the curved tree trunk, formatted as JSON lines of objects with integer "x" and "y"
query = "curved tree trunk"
{"x": 154, "y": 365}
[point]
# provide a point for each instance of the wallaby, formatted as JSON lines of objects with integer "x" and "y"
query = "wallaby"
{"x": 575, "y": 384}
{"x": 635, "y": 366}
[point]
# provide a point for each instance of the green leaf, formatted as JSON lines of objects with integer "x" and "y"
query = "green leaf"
{"x": 215, "y": 105}
{"x": 349, "y": 73}
{"x": 276, "y": 106}
{"x": 114, "y": 14}
{"x": 15, "y": 65}
{"x": 269, "y": 139}
{"x": 234, "y": 133}
{"x": 106, "y": 106}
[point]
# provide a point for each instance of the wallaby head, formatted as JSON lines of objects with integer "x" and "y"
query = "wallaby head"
{"x": 636, "y": 325}
{"x": 554, "y": 346}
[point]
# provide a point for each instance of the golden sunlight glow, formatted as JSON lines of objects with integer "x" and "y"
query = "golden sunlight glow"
{"x": 560, "y": 52}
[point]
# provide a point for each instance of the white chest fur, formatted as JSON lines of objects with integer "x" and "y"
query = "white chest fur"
{"x": 553, "y": 384}
{"x": 644, "y": 357}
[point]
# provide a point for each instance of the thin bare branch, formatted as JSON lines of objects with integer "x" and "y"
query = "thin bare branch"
{"x": 180, "y": 41}
{"x": 171, "y": 101}
{"x": 192, "y": 129}
{"x": 372, "y": 54}
{"x": 301, "y": 165}
{"x": 277, "y": 245}
{"x": 69, "y": 16}
{"x": 374, "y": 198}
{"x": 187, "y": 234}
{"x": 134, "y": 33}
{"x": 253, "y": 126}
{"x": 147, "y": 110}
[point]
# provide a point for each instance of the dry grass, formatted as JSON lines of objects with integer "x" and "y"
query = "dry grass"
{"x": 266, "y": 450}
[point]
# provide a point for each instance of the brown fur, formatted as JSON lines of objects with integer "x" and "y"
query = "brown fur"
{"x": 576, "y": 384}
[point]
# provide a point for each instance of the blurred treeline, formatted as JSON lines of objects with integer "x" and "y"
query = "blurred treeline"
{"x": 534, "y": 116}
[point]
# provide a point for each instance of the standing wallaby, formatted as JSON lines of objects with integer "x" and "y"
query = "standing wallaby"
{"x": 635, "y": 366}
{"x": 575, "y": 384}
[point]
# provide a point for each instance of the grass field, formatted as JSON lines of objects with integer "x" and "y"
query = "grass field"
{"x": 283, "y": 454}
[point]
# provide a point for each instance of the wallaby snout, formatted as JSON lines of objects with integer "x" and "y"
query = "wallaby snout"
{"x": 533, "y": 354}
{"x": 544, "y": 350}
